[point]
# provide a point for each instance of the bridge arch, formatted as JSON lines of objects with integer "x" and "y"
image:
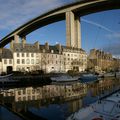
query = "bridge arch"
{"x": 71, "y": 13}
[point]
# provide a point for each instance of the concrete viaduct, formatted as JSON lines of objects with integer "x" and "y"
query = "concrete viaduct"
{"x": 71, "y": 13}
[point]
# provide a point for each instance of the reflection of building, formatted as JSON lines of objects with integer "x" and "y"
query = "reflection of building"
{"x": 31, "y": 57}
{"x": 52, "y": 91}
{"x": 24, "y": 94}
{"x": 75, "y": 105}
{"x": 107, "y": 84}
{"x": 75, "y": 90}
{"x": 99, "y": 60}
{"x": 28, "y": 94}
{"x": 66, "y": 92}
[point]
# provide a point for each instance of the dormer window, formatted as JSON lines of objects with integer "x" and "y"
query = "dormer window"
{"x": 52, "y": 51}
{"x": 43, "y": 50}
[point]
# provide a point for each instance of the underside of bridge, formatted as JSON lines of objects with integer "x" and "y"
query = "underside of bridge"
{"x": 71, "y": 13}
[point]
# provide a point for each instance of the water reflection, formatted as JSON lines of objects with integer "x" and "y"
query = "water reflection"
{"x": 56, "y": 101}
{"x": 26, "y": 100}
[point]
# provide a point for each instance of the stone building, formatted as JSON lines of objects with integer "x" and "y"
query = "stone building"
{"x": 6, "y": 61}
{"x": 25, "y": 56}
{"x": 100, "y": 60}
{"x": 31, "y": 57}
{"x": 51, "y": 58}
{"x": 74, "y": 59}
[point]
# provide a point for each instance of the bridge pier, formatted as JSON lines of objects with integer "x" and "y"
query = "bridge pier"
{"x": 73, "y": 32}
{"x": 16, "y": 38}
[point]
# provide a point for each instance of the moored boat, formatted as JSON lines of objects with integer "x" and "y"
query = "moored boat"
{"x": 86, "y": 78}
{"x": 106, "y": 109}
{"x": 64, "y": 78}
{"x": 5, "y": 77}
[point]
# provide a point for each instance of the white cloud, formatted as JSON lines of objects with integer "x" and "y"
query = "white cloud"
{"x": 14, "y": 13}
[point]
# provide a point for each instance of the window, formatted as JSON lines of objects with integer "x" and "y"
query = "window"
{"x": 24, "y": 91}
{"x": 24, "y": 98}
{"x": 37, "y": 61}
{"x": 33, "y": 91}
{"x": 28, "y": 92}
{"x": 56, "y": 56}
{"x": 32, "y": 54}
{"x": 33, "y": 97}
{"x": 28, "y": 61}
{"x": 10, "y": 61}
{"x": 27, "y": 55}
{"x": 23, "y": 61}
{"x": 22, "y": 54}
{"x": 32, "y": 61}
{"x": 52, "y": 51}
{"x": 19, "y": 92}
{"x": 29, "y": 97}
{"x": 19, "y": 98}
{"x": 18, "y": 61}
{"x": 5, "y": 61}
{"x": 17, "y": 54}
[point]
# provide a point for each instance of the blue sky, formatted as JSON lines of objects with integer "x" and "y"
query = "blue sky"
{"x": 99, "y": 30}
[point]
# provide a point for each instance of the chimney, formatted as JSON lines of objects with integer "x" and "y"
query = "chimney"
{"x": 23, "y": 41}
{"x": 37, "y": 45}
{"x": 46, "y": 46}
{"x": 59, "y": 47}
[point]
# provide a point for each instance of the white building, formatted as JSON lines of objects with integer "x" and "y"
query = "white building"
{"x": 74, "y": 59}
{"x": 6, "y": 63}
{"x": 25, "y": 56}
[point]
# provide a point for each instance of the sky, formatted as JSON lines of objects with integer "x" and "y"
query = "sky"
{"x": 100, "y": 30}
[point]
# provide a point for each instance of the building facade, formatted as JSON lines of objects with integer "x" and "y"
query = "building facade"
{"x": 101, "y": 61}
{"x": 6, "y": 61}
{"x": 74, "y": 59}
{"x": 31, "y": 57}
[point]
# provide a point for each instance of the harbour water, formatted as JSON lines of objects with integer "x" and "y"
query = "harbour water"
{"x": 54, "y": 101}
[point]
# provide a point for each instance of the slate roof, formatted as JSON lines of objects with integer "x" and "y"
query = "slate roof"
{"x": 54, "y": 48}
{"x": 19, "y": 47}
{"x": 72, "y": 48}
{"x": 6, "y": 53}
